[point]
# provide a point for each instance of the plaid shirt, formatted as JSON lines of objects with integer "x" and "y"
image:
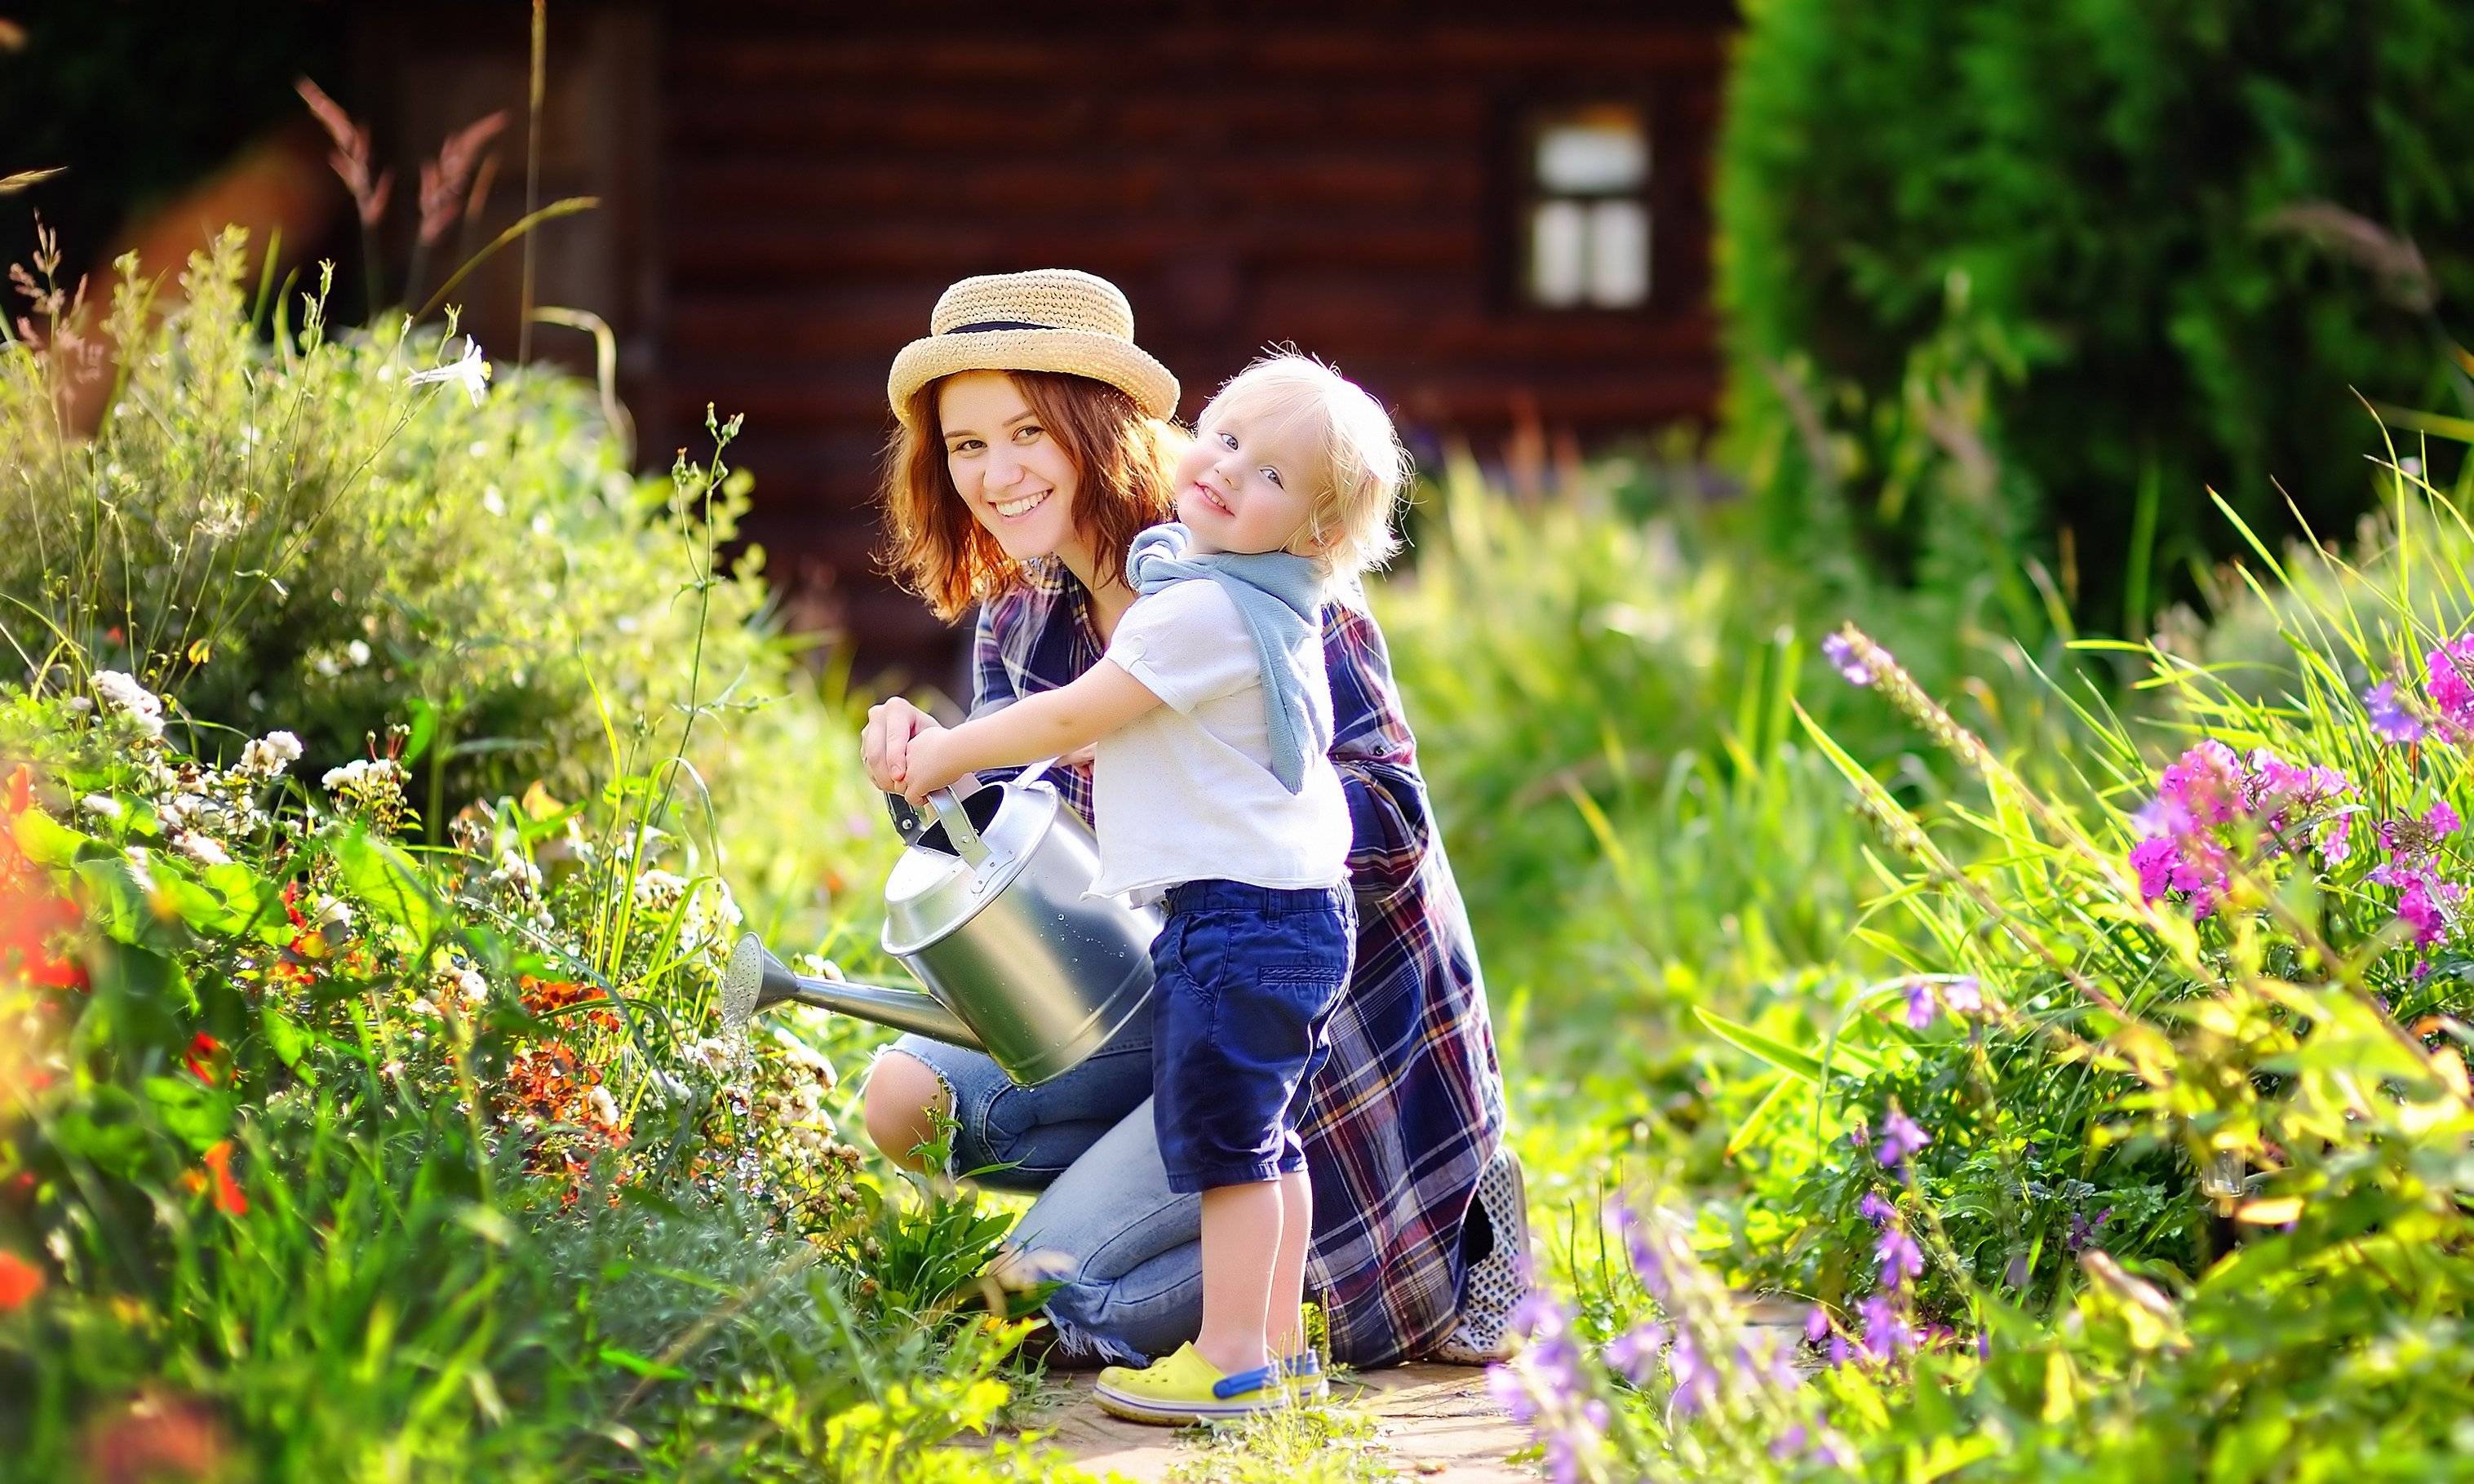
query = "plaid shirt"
{"x": 1410, "y": 1108}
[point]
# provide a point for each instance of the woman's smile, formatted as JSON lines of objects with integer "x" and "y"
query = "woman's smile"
{"x": 1019, "y": 506}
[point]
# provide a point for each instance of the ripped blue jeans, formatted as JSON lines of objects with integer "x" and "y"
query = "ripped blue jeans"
{"x": 1129, "y": 1248}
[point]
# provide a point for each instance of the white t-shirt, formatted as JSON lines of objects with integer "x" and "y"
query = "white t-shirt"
{"x": 1185, "y": 792}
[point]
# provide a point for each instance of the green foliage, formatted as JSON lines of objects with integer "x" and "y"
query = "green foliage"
{"x": 2187, "y": 1174}
{"x": 2157, "y": 249}
{"x": 295, "y": 533}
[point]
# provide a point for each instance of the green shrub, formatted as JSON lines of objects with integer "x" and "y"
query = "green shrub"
{"x": 2157, "y": 1152}
{"x": 2163, "y": 246}
{"x": 293, "y": 532}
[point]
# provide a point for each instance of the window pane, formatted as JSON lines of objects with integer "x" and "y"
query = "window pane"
{"x": 1618, "y": 253}
{"x": 1558, "y": 252}
{"x": 1599, "y": 156}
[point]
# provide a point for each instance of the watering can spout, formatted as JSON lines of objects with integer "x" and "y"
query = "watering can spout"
{"x": 756, "y": 982}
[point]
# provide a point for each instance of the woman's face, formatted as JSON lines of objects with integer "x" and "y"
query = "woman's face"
{"x": 1012, "y": 472}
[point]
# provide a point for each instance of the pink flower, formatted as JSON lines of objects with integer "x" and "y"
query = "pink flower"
{"x": 2448, "y": 675}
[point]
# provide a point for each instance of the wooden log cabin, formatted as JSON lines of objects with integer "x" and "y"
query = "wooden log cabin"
{"x": 1491, "y": 214}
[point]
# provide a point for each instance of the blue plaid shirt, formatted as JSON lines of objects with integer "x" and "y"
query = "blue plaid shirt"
{"x": 1410, "y": 1108}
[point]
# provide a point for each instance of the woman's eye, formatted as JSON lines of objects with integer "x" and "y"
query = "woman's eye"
{"x": 966, "y": 445}
{"x": 1027, "y": 433}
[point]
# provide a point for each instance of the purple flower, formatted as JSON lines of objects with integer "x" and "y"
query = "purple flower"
{"x": 2336, "y": 844}
{"x": 1512, "y": 1394}
{"x": 2390, "y": 719}
{"x": 1964, "y": 995}
{"x": 2448, "y": 675}
{"x": 2202, "y": 787}
{"x": 1886, "y": 1333}
{"x": 1901, "y": 1260}
{"x": 1841, "y": 653}
{"x": 2155, "y": 860}
{"x": 1816, "y": 1324}
{"x": 1901, "y": 1138}
{"x": 1920, "y": 1004}
{"x": 1696, "y": 1381}
{"x": 2441, "y": 820}
{"x": 2082, "y": 1231}
{"x": 1647, "y": 1260}
{"x": 1873, "y": 1209}
{"x": 2424, "y": 901}
{"x": 1631, "y": 1353}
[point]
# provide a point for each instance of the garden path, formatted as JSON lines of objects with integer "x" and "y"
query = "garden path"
{"x": 1431, "y": 1422}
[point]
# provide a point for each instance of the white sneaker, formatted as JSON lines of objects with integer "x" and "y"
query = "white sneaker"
{"x": 1495, "y": 1283}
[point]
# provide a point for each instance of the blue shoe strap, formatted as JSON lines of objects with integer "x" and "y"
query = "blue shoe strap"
{"x": 1304, "y": 1363}
{"x": 1244, "y": 1381}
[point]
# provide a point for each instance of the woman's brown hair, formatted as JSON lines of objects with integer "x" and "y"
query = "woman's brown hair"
{"x": 1121, "y": 466}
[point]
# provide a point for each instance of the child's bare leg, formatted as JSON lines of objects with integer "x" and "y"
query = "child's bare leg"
{"x": 1242, "y": 1228}
{"x": 1289, "y": 1271}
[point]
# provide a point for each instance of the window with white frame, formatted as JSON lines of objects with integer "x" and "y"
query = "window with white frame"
{"x": 1588, "y": 228}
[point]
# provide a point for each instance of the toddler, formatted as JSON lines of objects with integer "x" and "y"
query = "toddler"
{"x": 1210, "y": 722}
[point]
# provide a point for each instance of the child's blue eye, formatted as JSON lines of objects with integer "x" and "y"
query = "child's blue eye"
{"x": 1228, "y": 440}
{"x": 1271, "y": 474}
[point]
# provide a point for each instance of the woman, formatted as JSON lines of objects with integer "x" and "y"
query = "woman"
{"x": 1032, "y": 446}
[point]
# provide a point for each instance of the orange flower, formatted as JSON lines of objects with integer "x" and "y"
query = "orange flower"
{"x": 21, "y": 789}
{"x": 227, "y": 1197}
{"x": 19, "y": 1281}
{"x": 201, "y": 1059}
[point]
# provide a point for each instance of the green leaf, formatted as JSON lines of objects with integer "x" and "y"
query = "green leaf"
{"x": 629, "y": 1360}
{"x": 284, "y": 1036}
{"x": 387, "y": 880}
{"x": 424, "y": 727}
{"x": 1789, "y": 1059}
{"x": 46, "y": 842}
{"x": 195, "y": 1113}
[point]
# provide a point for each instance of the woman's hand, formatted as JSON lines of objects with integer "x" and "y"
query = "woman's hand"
{"x": 885, "y": 740}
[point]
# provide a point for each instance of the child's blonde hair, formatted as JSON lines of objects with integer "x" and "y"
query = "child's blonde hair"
{"x": 1363, "y": 470}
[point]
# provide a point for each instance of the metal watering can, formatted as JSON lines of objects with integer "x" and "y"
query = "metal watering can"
{"x": 987, "y": 908}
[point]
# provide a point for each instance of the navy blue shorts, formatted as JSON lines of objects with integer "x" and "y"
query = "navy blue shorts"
{"x": 1247, "y": 976}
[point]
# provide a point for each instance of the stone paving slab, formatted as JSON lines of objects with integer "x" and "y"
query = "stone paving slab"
{"x": 1432, "y": 1422}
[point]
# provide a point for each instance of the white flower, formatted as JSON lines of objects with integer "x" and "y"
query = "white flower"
{"x": 357, "y": 652}
{"x": 124, "y": 694}
{"x": 140, "y": 871}
{"x": 102, "y": 806}
{"x": 360, "y": 773}
{"x": 468, "y": 370}
{"x": 470, "y": 985}
{"x": 81, "y": 704}
{"x": 268, "y": 756}
{"x": 659, "y": 889}
{"x": 603, "y": 1104}
{"x": 517, "y": 874}
{"x": 183, "y": 809}
{"x": 204, "y": 850}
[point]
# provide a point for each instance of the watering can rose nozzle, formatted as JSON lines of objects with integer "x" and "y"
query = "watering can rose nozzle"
{"x": 757, "y": 982}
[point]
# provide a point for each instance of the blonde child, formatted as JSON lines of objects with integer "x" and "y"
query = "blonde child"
{"x": 1210, "y": 718}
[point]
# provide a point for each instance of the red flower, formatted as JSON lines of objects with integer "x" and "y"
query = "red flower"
{"x": 19, "y": 1281}
{"x": 227, "y": 1197}
{"x": 21, "y": 789}
{"x": 201, "y": 1059}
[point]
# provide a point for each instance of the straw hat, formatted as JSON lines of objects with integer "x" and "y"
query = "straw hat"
{"x": 1048, "y": 319}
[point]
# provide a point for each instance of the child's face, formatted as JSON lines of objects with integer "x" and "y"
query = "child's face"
{"x": 1241, "y": 486}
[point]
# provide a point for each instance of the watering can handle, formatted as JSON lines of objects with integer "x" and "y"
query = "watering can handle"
{"x": 957, "y": 827}
{"x": 907, "y": 823}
